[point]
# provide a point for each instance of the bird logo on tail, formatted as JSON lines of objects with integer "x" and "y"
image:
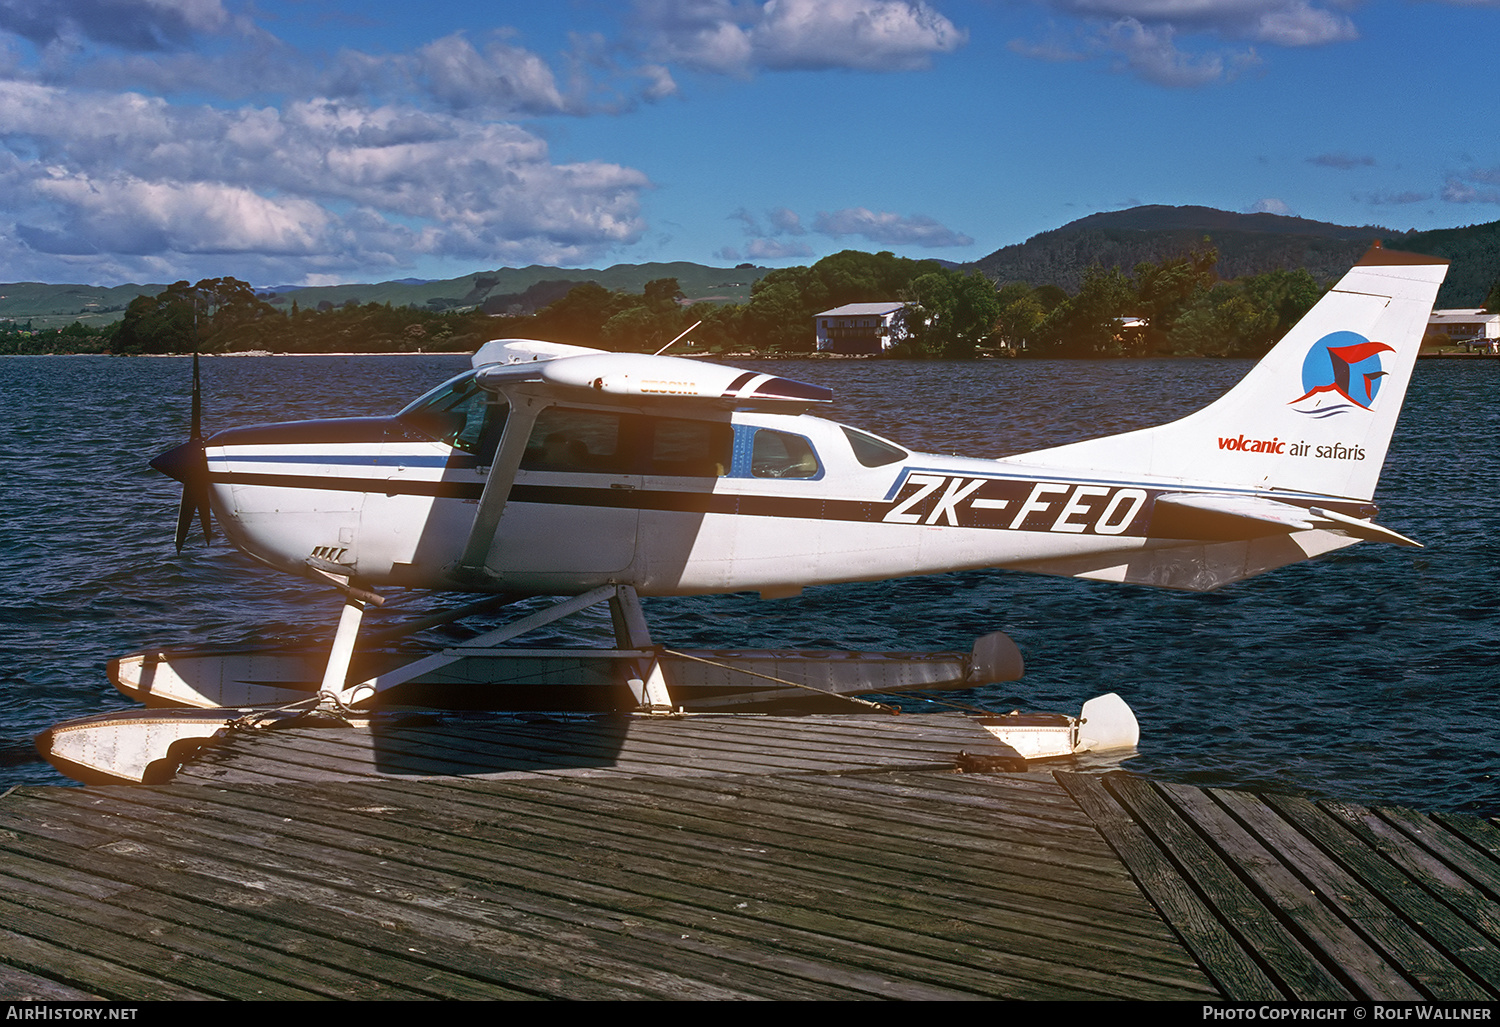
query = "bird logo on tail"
{"x": 1341, "y": 371}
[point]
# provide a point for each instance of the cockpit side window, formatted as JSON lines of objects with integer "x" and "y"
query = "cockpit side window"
{"x": 779, "y": 454}
{"x": 873, "y": 452}
{"x": 584, "y": 441}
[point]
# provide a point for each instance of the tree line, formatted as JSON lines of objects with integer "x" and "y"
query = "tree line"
{"x": 1178, "y": 307}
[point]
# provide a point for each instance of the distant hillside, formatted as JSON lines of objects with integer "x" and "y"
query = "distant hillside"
{"x": 1475, "y": 252}
{"x": 53, "y": 306}
{"x": 524, "y": 290}
{"x": 1248, "y": 244}
{"x": 504, "y": 290}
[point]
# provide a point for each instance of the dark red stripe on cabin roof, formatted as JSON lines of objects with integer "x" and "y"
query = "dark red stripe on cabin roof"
{"x": 739, "y": 383}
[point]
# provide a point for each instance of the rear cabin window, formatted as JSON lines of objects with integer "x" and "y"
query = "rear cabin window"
{"x": 873, "y": 452}
{"x": 779, "y": 454}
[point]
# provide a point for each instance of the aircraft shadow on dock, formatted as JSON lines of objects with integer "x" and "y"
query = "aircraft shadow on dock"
{"x": 458, "y": 745}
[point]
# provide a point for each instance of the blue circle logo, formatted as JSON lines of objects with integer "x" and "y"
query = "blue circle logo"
{"x": 1346, "y": 364}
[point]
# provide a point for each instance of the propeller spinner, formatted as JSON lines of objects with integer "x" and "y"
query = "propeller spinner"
{"x": 188, "y": 463}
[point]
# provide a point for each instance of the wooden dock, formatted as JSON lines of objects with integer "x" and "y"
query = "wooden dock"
{"x": 723, "y": 858}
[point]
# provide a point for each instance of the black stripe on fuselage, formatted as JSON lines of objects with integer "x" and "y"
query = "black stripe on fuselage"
{"x": 1053, "y": 514}
{"x": 572, "y": 495}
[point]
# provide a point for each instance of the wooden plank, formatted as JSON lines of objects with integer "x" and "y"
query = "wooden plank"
{"x": 1026, "y": 889}
{"x": 817, "y": 808}
{"x": 929, "y": 798}
{"x": 1481, "y": 834}
{"x": 641, "y": 873}
{"x": 1481, "y": 868}
{"x": 1425, "y": 868}
{"x": 142, "y": 944}
{"x": 306, "y": 891}
{"x": 382, "y": 870}
{"x": 1463, "y": 946}
{"x": 853, "y": 741}
{"x": 311, "y": 756}
{"x": 1353, "y": 960}
{"x": 1199, "y": 859}
{"x": 156, "y": 893}
{"x": 1232, "y": 968}
{"x": 1331, "y": 888}
{"x": 691, "y": 746}
{"x": 67, "y": 969}
{"x": 638, "y": 869}
{"x": 19, "y": 986}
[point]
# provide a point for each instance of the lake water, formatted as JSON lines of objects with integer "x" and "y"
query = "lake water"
{"x": 1368, "y": 675}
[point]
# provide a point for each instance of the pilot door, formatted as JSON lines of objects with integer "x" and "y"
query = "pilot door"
{"x": 575, "y": 504}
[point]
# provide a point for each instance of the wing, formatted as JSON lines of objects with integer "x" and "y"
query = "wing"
{"x": 641, "y": 376}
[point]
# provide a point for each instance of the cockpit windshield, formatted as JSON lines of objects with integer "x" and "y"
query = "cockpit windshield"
{"x": 459, "y": 413}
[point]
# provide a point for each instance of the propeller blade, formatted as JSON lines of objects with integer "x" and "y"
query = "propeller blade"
{"x": 184, "y": 517}
{"x": 197, "y": 422}
{"x": 188, "y": 463}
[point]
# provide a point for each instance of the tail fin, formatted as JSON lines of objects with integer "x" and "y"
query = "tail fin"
{"x": 1315, "y": 415}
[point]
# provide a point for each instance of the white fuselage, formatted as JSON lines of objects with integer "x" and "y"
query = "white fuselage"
{"x": 776, "y": 502}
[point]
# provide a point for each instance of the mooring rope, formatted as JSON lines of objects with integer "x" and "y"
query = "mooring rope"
{"x": 882, "y": 707}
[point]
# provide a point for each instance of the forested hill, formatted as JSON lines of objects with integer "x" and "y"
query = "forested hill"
{"x": 1248, "y": 244}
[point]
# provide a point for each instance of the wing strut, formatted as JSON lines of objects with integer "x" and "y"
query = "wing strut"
{"x": 645, "y": 676}
{"x": 518, "y": 425}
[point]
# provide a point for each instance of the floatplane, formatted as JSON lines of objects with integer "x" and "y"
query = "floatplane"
{"x": 552, "y": 470}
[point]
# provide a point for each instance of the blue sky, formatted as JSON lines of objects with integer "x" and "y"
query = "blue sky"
{"x": 317, "y": 141}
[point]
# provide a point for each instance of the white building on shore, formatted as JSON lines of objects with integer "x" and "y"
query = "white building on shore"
{"x": 860, "y": 327}
{"x": 1474, "y": 327}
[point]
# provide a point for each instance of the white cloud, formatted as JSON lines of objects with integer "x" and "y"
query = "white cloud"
{"x": 1383, "y": 199}
{"x": 317, "y": 185}
{"x": 1281, "y": 22}
{"x": 1270, "y": 205}
{"x": 728, "y": 38}
{"x": 504, "y": 78}
{"x": 782, "y": 221}
{"x": 1152, "y": 53}
{"x": 1146, "y": 37}
{"x": 885, "y": 227}
{"x": 128, "y": 215}
{"x": 775, "y": 249}
{"x": 785, "y": 222}
{"x": 1300, "y": 24}
{"x": 872, "y": 35}
{"x": 138, "y": 25}
{"x": 1456, "y": 190}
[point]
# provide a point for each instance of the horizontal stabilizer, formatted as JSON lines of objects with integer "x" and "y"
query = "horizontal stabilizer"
{"x": 1227, "y": 517}
{"x": 1360, "y": 529}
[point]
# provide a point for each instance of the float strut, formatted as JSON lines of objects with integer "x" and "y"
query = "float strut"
{"x": 645, "y": 677}
{"x": 337, "y": 671}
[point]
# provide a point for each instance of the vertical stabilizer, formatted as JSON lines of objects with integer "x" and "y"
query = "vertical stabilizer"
{"x": 1315, "y": 415}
